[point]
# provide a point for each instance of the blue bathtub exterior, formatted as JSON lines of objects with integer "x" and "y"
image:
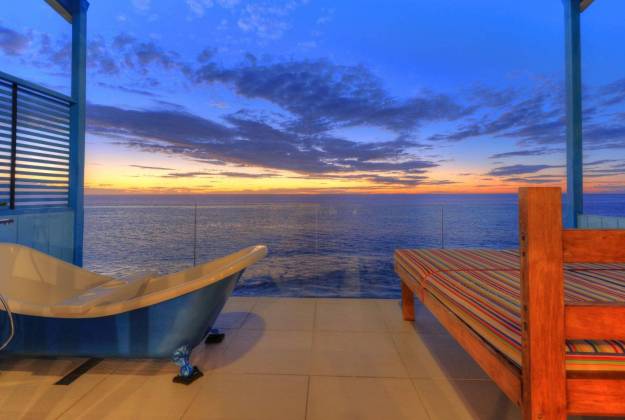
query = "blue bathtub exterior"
{"x": 151, "y": 332}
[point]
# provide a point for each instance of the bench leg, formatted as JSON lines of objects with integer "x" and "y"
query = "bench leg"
{"x": 407, "y": 302}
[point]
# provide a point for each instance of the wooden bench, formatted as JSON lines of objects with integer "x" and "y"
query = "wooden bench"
{"x": 540, "y": 384}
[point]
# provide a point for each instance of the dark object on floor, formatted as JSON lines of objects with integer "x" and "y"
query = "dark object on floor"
{"x": 79, "y": 371}
{"x": 214, "y": 337}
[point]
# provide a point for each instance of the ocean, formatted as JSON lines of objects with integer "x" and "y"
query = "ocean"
{"x": 319, "y": 245}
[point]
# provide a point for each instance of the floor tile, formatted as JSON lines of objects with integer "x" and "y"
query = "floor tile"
{"x": 250, "y": 397}
{"x": 334, "y": 398}
{"x": 277, "y": 352}
{"x": 356, "y": 354}
{"x": 424, "y": 323}
{"x": 208, "y": 356}
{"x": 235, "y": 312}
{"x": 36, "y": 397}
{"x": 465, "y": 400}
{"x": 282, "y": 314}
{"x": 364, "y": 362}
{"x": 432, "y": 356}
{"x": 37, "y": 369}
{"x": 143, "y": 391}
{"x": 349, "y": 299}
{"x": 349, "y": 315}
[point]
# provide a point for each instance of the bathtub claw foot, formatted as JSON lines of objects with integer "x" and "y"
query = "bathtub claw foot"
{"x": 188, "y": 373}
{"x": 214, "y": 337}
{"x": 186, "y": 380}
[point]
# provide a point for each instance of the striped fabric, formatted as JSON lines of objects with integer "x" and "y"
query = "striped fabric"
{"x": 421, "y": 263}
{"x": 488, "y": 300}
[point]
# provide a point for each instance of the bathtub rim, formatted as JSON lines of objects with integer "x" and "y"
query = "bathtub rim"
{"x": 224, "y": 267}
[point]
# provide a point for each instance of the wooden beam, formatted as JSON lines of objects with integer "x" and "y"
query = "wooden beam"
{"x": 542, "y": 299}
{"x": 593, "y": 246}
{"x": 595, "y": 321}
{"x": 407, "y": 302}
{"x": 596, "y": 397}
{"x": 573, "y": 90}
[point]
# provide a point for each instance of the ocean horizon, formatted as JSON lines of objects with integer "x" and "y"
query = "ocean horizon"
{"x": 325, "y": 245}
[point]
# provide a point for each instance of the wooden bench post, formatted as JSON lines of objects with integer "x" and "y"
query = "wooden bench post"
{"x": 542, "y": 297}
{"x": 407, "y": 302}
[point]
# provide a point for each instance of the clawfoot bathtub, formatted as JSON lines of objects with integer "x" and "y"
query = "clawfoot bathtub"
{"x": 62, "y": 310}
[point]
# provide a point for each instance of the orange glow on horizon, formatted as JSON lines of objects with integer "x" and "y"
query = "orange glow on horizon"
{"x": 157, "y": 174}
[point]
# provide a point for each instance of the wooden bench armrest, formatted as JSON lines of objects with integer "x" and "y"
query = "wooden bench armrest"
{"x": 595, "y": 321}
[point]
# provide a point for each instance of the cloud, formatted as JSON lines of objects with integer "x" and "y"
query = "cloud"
{"x": 196, "y": 174}
{"x": 315, "y": 99}
{"x": 387, "y": 180}
{"x": 318, "y": 96}
{"x": 326, "y": 17}
{"x": 206, "y": 54}
{"x": 100, "y": 58}
{"x": 490, "y": 97}
{"x": 106, "y": 56}
{"x": 612, "y": 93}
{"x": 531, "y": 180}
{"x": 519, "y": 169}
{"x": 250, "y": 143}
{"x": 142, "y": 5}
{"x": 198, "y": 7}
{"x": 246, "y": 174}
{"x": 605, "y": 134}
{"x": 11, "y": 42}
{"x": 324, "y": 95}
{"x": 229, "y": 174}
{"x": 537, "y": 119}
{"x": 267, "y": 20}
{"x": 127, "y": 89}
{"x": 523, "y": 153}
{"x": 126, "y": 54}
{"x": 592, "y": 171}
{"x": 122, "y": 40}
{"x": 600, "y": 162}
{"x": 156, "y": 168}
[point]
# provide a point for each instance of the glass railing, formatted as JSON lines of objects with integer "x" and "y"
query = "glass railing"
{"x": 318, "y": 245}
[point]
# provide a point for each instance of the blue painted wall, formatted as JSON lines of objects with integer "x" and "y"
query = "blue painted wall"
{"x": 50, "y": 231}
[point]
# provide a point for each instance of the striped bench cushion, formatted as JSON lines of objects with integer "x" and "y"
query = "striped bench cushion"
{"x": 489, "y": 302}
{"x": 421, "y": 263}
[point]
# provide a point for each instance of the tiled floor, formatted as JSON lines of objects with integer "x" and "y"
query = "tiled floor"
{"x": 317, "y": 359}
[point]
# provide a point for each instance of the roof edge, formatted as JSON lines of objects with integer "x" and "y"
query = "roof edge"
{"x": 585, "y": 4}
{"x": 62, "y": 8}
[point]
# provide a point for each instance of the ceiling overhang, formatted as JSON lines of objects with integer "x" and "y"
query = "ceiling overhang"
{"x": 584, "y": 4}
{"x": 63, "y": 8}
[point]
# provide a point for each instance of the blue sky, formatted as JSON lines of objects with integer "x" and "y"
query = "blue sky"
{"x": 309, "y": 95}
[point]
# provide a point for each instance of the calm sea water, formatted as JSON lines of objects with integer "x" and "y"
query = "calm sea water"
{"x": 318, "y": 245}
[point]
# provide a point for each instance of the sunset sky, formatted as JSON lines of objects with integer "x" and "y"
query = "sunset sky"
{"x": 307, "y": 96}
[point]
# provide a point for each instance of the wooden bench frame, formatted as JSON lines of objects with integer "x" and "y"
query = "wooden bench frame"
{"x": 542, "y": 388}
